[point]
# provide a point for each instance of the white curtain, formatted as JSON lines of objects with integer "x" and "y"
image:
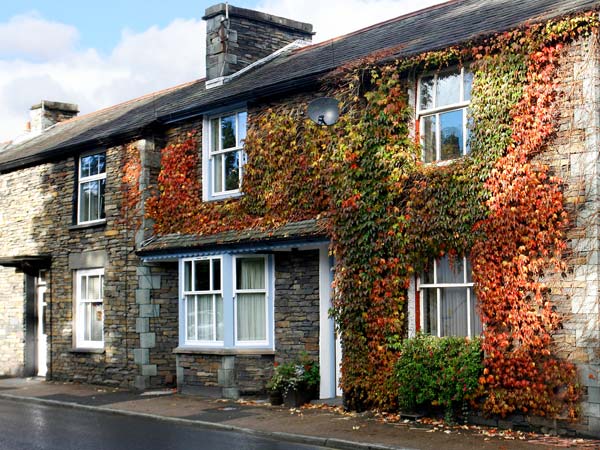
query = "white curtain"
{"x": 202, "y": 311}
{"x": 250, "y": 273}
{"x": 447, "y": 273}
{"x": 93, "y": 319}
{"x": 205, "y": 317}
{"x": 191, "y": 317}
{"x": 251, "y": 307}
{"x": 454, "y": 311}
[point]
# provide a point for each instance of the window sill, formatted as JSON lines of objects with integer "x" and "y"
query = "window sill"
{"x": 223, "y": 351}
{"x": 87, "y": 350}
{"x": 84, "y": 226}
{"x": 222, "y": 197}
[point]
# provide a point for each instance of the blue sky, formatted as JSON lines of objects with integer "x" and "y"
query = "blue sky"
{"x": 99, "y": 53}
{"x": 100, "y": 23}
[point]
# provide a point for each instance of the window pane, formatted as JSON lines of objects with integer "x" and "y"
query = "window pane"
{"x": 242, "y": 119}
{"x": 467, "y": 85}
{"x": 216, "y": 274}
{"x": 83, "y": 293}
{"x": 96, "y": 322}
{"x": 202, "y": 275}
{"x": 251, "y": 317}
{"x": 205, "y": 317}
{"x": 450, "y": 271}
{"x": 430, "y": 311}
{"x": 187, "y": 276}
{"x": 101, "y": 157}
{"x": 451, "y": 127}
{"x": 214, "y": 135}
{"x": 92, "y": 319}
{"x": 250, "y": 273}
{"x": 428, "y": 130}
{"x": 93, "y": 165}
{"x": 219, "y": 305}
{"x": 93, "y": 287}
{"x": 93, "y": 192}
{"x": 448, "y": 89}
{"x": 232, "y": 170}
{"x": 218, "y": 173}
{"x": 469, "y": 271}
{"x": 191, "y": 317}
{"x": 101, "y": 214}
{"x": 454, "y": 311}
{"x": 84, "y": 203}
{"x": 426, "y": 93}
{"x": 228, "y": 132}
{"x": 87, "y": 165}
{"x": 428, "y": 275}
{"x": 476, "y": 326}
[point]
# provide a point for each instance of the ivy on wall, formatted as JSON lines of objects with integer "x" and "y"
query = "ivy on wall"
{"x": 389, "y": 214}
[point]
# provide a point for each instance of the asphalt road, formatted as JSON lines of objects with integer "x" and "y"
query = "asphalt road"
{"x": 26, "y": 426}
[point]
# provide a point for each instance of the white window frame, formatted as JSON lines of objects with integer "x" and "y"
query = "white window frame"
{"x": 81, "y": 180}
{"x": 80, "y": 341}
{"x": 211, "y": 291}
{"x": 466, "y": 284}
{"x": 209, "y": 155}
{"x": 264, "y": 291}
{"x": 228, "y": 292}
{"x": 438, "y": 111}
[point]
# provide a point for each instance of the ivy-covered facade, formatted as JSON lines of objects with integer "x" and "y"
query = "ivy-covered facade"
{"x": 218, "y": 231}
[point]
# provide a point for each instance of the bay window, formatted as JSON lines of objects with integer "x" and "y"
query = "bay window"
{"x": 448, "y": 299}
{"x": 227, "y": 301}
{"x": 442, "y": 108}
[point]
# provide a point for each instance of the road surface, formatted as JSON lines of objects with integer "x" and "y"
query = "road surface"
{"x": 27, "y": 426}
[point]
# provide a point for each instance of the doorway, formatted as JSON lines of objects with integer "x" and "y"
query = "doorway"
{"x": 35, "y": 332}
{"x": 41, "y": 337}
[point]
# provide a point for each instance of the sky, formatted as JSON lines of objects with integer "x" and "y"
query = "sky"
{"x": 100, "y": 53}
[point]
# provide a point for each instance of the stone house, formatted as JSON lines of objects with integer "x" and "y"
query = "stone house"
{"x": 91, "y": 293}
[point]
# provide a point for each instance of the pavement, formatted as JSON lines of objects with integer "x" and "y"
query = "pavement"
{"x": 323, "y": 424}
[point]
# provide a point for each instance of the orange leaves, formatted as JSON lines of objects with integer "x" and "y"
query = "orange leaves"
{"x": 523, "y": 241}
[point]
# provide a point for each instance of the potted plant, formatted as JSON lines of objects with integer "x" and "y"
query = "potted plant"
{"x": 296, "y": 381}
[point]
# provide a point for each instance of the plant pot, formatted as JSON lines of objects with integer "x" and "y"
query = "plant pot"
{"x": 297, "y": 398}
{"x": 275, "y": 398}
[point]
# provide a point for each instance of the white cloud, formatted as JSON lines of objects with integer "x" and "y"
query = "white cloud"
{"x": 32, "y": 36}
{"x": 141, "y": 63}
{"x": 40, "y": 59}
{"x": 337, "y": 17}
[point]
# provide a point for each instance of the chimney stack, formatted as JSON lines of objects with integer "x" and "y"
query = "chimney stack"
{"x": 237, "y": 37}
{"x": 47, "y": 113}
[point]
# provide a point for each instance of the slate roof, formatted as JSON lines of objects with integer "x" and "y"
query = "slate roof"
{"x": 287, "y": 233}
{"x": 425, "y": 30}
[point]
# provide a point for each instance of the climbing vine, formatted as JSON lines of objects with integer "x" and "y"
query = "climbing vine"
{"x": 389, "y": 214}
{"x": 131, "y": 168}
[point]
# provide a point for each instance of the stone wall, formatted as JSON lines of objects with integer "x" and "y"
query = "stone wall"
{"x": 37, "y": 205}
{"x": 12, "y": 322}
{"x": 296, "y": 304}
{"x": 573, "y": 156}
